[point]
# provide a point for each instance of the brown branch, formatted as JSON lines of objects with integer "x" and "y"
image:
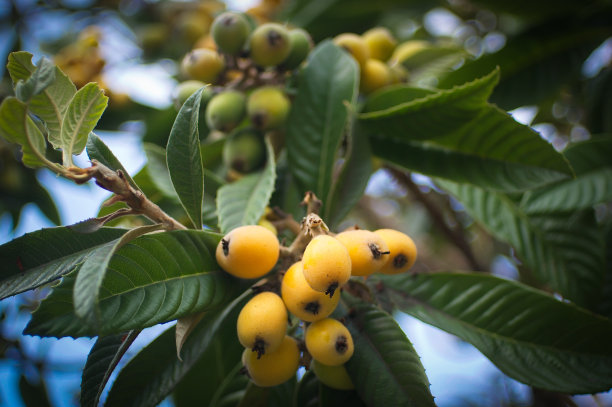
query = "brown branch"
{"x": 117, "y": 183}
{"x": 456, "y": 236}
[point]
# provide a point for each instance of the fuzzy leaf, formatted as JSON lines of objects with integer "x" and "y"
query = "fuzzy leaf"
{"x": 42, "y": 78}
{"x": 17, "y": 127}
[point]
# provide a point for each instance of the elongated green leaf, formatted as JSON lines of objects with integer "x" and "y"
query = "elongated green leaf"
{"x": 593, "y": 185}
{"x": 158, "y": 170}
{"x": 17, "y": 127}
{"x": 91, "y": 275}
{"x": 51, "y": 104}
{"x": 432, "y": 116}
{"x": 43, "y": 76}
{"x": 391, "y": 96}
{"x": 564, "y": 252}
{"x": 33, "y": 395}
{"x": 155, "y": 371}
{"x": 307, "y": 391}
{"x": 102, "y": 360}
{"x": 97, "y": 150}
{"x": 316, "y": 124}
{"x": 353, "y": 179}
{"x": 45, "y": 255}
{"x": 82, "y": 115}
{"x": 385, "y": 368}
{"x": 184, "y": 159}
{"x": 529, "y": 335}
{"x": 152, "y": 279}
{"x": 535, "y": 64}
{"x": 243, "y": 202}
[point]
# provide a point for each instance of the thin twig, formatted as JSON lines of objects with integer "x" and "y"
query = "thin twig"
{"x": 456, "y": 236}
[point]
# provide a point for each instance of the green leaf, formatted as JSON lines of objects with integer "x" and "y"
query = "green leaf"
{"x": 101, "y": 361}
{"x": 184, "y": 159}
{"x": 34, "y": 395}
{"x": 82, "y": 115}
{"x": 353, "y": 179}
{"x": 593, "y": 184}
{"x": 97, "y": 150}
{"x": 535, "y": 64}
{"x": 17, "y": 127}
{"x": 40, "y": 257}
{"x": 41, "y": 79}
{"x": 243, "y": 202}
{"x": 307, "y": 391}
{"x": 158, "y": 170}
{"x": 155, "y": 371}
{"x": 318, "y": 118}
{"x": 564, "y": 252}
{"x": 331, "y": 397}
{"x": 529, "y": 335}
{"x": 433, "y": 115}
{"x": 91, "y": 275}
{"x": 152, "y": 279}
{"x": 51, "y": 104}
{"x": 391, "y": 96}
{"x": 385, "y": 368}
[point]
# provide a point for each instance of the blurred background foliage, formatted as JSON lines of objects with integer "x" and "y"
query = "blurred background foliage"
{"x": 556, "y": 75}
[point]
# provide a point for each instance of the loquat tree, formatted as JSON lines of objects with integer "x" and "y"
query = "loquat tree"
{"x": 248, "y": 224}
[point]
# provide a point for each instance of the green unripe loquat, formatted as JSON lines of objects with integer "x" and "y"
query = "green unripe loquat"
{"x": 248, "y": 251}
{"x": 230, "y": 32}
{"x": 403, "y": 251}
{"x": 244, "y": 151}
{"x": 262, "y": 323}
{"x": 269, "y": 44}
{"x": 268, "y": 107}
{"x": 273, "y": 368}
{"x": 188, "y": 88}
{"x": 329, "y": 342}
{"x": 380, "y": 43}
{"x": 368, "y": 251}
{"x": 374, "y": 75}
{"x": 301, "y": 44}
{"x": 301, "y": 300}
{"x": 203, "y": 65}
{"x": 355, "y": 45}
{"x": 326, "y": 264}
{"x": 226, "y": 110}
{"x": 335, "y": 377}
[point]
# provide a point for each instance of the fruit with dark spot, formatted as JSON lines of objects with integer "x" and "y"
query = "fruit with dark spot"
{"x": 275, "y": 367}
{"x": 301, "y": 44}
{"x": 301, "y": 300}
{"x": 262, "y": 323}
{"x": 244, "y": 151}
{"x": 268, "y": 107}
{"x": 248, "y": 251}
{"x": 403, "y": 251}
{"x": 269, "y": 44}
{"x": 226, "y": 110}
{"x": 230, "y": 32}
{"x": 203, "y": 65}
{"x": 326, "y": 264}
{"x": 329, "y": 342}
{"x": 368, "y": 251}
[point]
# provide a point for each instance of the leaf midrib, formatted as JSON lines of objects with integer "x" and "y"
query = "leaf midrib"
{"x": 84, "y": 113}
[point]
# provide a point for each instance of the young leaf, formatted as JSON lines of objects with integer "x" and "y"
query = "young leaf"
{"x": 42, "y": 78}
{"x": 91, "y": 275}
{"x": 243, "y": 202}
{"x": 17, "y": 127}
{"x": 565, "y": 252}
{"x": 385, "y": 368}
{"x": 316, "y": 124}
{"x": 51, "y": 104}
{"x": 184, "y": 160}
{"x": 81, "y": 117}
{"x": 212, "y": 349}
{"x": 153, "y": 279}
{"x": 40, "y": 257}
{"x": 529, "y": 335}
{"x": 101, "y": 361}
{"x": 97, "y": 150}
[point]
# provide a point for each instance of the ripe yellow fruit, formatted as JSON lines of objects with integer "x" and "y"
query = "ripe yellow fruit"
{"x": 262, "y": 323}
{"x": 202, "y": 64}
{"x": 301, "y": 300}
{"x": 273, "y": 368}
{"x": 403, "y": 251}
{"x": 374, "y": 75}
{"x": 408, "y": 49}
{"x": 380, "y": 43}
{"x": 355, "y": 45}
{"x": 335, "y": 377}
{"x": 329, "y": 342}
{"x": 248, "y": 251}
{"x": 326, "y": 264}
{"x": 368, "y": 251}
{"x": 269, "y": 44}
